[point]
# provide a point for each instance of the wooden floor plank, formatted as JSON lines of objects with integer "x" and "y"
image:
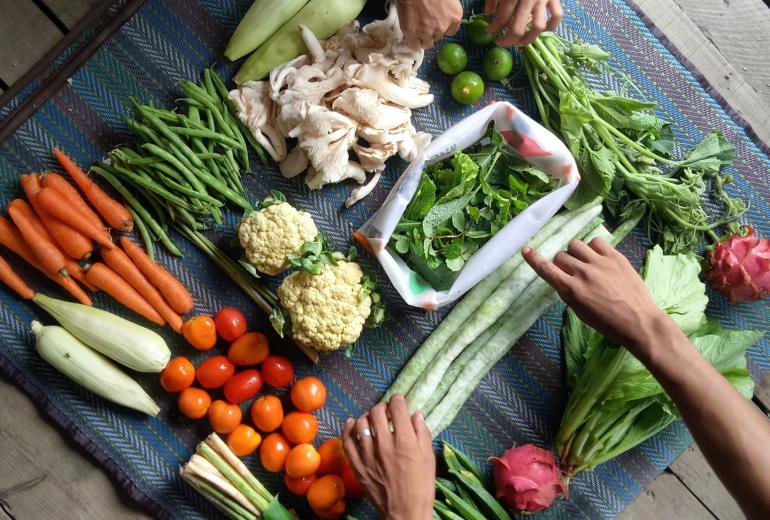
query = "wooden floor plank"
{"x": 27, "y": 34}
{"x": 746, "y": 48}
{"x": 70, "y": 12}
{"x": 694, "y": 472}
{"x": 762, "y": 392}
{"x": 666, "y": 499}
{"x": 700, "y": 49}
{"x": 42, "y": 475}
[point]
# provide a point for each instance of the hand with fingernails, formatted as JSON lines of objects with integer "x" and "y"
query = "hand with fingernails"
{"x": 424, "y": 22}
{"x": 522, "y": 20}
{"x": 395, "y": 464}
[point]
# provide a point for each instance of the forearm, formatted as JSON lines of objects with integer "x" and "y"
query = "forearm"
{"x": 731, "y": 432}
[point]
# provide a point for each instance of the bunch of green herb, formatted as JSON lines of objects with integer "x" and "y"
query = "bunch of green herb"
{"x": 616, "y": 403}
{"x": 625, "y": 151}
{"x": 463, "y": 201}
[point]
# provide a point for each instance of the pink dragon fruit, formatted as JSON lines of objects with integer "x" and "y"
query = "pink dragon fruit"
{"x": 740, "y": 267}
{"x": 527, "y": 479}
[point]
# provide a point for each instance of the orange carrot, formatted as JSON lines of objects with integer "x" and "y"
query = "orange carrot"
{"x": 78, "y": 272}
{"x": 115, "y": 213}
{"x": 45, "y": 250}
{"x": 122, "y": 264}
{"x": 176, "y": 294}
{"x": 57, "y": 206}
{"x": 12, "y": 239}
{"x": 110, "y": 282}
{"x": 57, "y": 182}
{"x": 69, "y": 240}
{"x": 12, "y": 280}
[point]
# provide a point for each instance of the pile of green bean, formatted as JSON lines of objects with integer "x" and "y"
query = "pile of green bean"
{"x": 181, "y": 172}
{"x": 184, "y": 167}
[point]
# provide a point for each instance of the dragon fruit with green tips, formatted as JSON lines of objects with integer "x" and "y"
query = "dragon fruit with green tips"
{"x": 739, "y": 267}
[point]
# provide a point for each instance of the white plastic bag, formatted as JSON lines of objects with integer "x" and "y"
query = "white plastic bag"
{"x": 532, "y": 142}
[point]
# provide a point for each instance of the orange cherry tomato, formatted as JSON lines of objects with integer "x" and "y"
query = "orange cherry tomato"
{"x": 299, "y": 427}
{"x": 308, "y": 394}
{"x": 243, "y": 386}
{"x": 194, "y": 402}
{"x": 267, "y": 413}
{"x": 244, "y": 440}
{"x": 178, "y": 375}
{"x": 278, "y": 371}
{"x": 215, "y": 371}
{"x": 273, "y": 452}
{"x": 299, "y": 485}
{"x": 224, "y": 417}
{"x": 249, "y": 350}
{"x": 353, "y": 488}
{"x": 326, "y": 492}
{"x": 200, "y": 332}
{"x": 230, "y": 323}
{"x": 303, "y": 460}
{"x": 332, "y": 457}
{"x": 333, "y": 513}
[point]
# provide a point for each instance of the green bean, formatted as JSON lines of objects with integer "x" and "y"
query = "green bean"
{"x": 172, "y": 159}
{"x": 193, "y": 114}
{"x": 201, "y": 96}
{"x": 192, "y": 193}
{"x": 158, "y": 207}
{"x": 131, "y": 200}
{"x": 145, "y": 133}
{"x": 177, "y": 141}
{"x": 219, "y": 85}
{"x": 142, "y": 227}
{"x": 146, "y": 161}
{"x": 151, "y": 186}
{"x": 260, "y": 151}
{"x": 206, "y": 134}
{"x": 243, "y": 151}
{"x": 208, "y": 84}
{"x": 191, "y": 102}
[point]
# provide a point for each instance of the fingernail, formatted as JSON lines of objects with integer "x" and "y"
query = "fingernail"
{"x": 418, "y": 415}
{"x": 348, "y": 421}
{"x": 525, "y": 250}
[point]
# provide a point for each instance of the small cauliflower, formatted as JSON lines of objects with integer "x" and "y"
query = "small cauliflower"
{"x": 270, "y": 235}
{"x": 328, "y": 310}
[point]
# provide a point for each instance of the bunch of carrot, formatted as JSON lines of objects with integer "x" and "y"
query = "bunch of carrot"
{"x": 55, "y": 229}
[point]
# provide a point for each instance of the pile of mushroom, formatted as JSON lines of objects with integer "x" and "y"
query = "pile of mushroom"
{"x": 355, "y": 91}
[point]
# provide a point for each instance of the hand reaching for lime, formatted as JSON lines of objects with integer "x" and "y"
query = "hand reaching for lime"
{"x": 477, "y": 32}
{"x": 467, "y": 87}
{"x": 451, "y": 58}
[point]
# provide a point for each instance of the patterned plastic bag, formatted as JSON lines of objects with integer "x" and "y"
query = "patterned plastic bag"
{"x": 532, "y": 142}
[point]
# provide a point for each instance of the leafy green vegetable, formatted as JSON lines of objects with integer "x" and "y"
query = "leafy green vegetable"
{"x": 615, "y": 402}
{"x": 622, "y": 147}
{"x": 461, "y": 202}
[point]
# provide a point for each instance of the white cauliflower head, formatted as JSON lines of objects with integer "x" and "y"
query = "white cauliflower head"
{"x": 326, "y": 309}
{"x": 270, "y": 235}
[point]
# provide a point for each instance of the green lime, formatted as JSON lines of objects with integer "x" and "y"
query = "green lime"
{"x": 497, "y": 63}
{"x": 477, "y": 32}
{"x": 452, "y": 58}
{"x": 467, "y": 87}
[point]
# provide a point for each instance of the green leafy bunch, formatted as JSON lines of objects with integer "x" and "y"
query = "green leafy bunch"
{"x": 461, "y": 202}
{"x": 625, "y": 152}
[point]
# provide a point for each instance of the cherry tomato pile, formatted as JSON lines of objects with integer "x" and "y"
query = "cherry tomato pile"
{"x": 284, "y": 440}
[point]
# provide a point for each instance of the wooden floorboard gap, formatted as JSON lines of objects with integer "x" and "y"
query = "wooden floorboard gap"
{"x": 705, "y": 505}
{"x": 51, "y": 16}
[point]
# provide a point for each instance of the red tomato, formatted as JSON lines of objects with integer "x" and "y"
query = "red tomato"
{"x": 178, "y": 375}
{"x": 243, "y": 386}
{"x": 194, "y": 402}
{"x": 224, "y": 417}
{"x": 249, "y": 350}
{"x": 278, "y": 371}
{"x": 230, "y": 323}
{"x": 353, "y": 488}
{"x": 267, "y": 413}
{"x": 299, "y": 427}
{"x": 332, "y": 457}
{"x": 200, "y": 332}
{"x": 215, "y": 371}
{"x": 299, "y": 485}
{"x": 308, "y": 394}
{"x": 273, "y": 452}
{"x": 333, "y": 513}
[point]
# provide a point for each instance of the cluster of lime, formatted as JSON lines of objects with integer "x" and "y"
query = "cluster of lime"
{"x": 467, "y": 87}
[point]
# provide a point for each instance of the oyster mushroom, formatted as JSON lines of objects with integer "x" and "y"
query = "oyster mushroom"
{"x": 257, "y": 111}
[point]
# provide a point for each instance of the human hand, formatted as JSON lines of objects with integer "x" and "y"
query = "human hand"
{"x": 397, "y": 469}
{"x": 426, "y": 21}
{"x": 603, "y": 289}
{"x": 516, "y": 15}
